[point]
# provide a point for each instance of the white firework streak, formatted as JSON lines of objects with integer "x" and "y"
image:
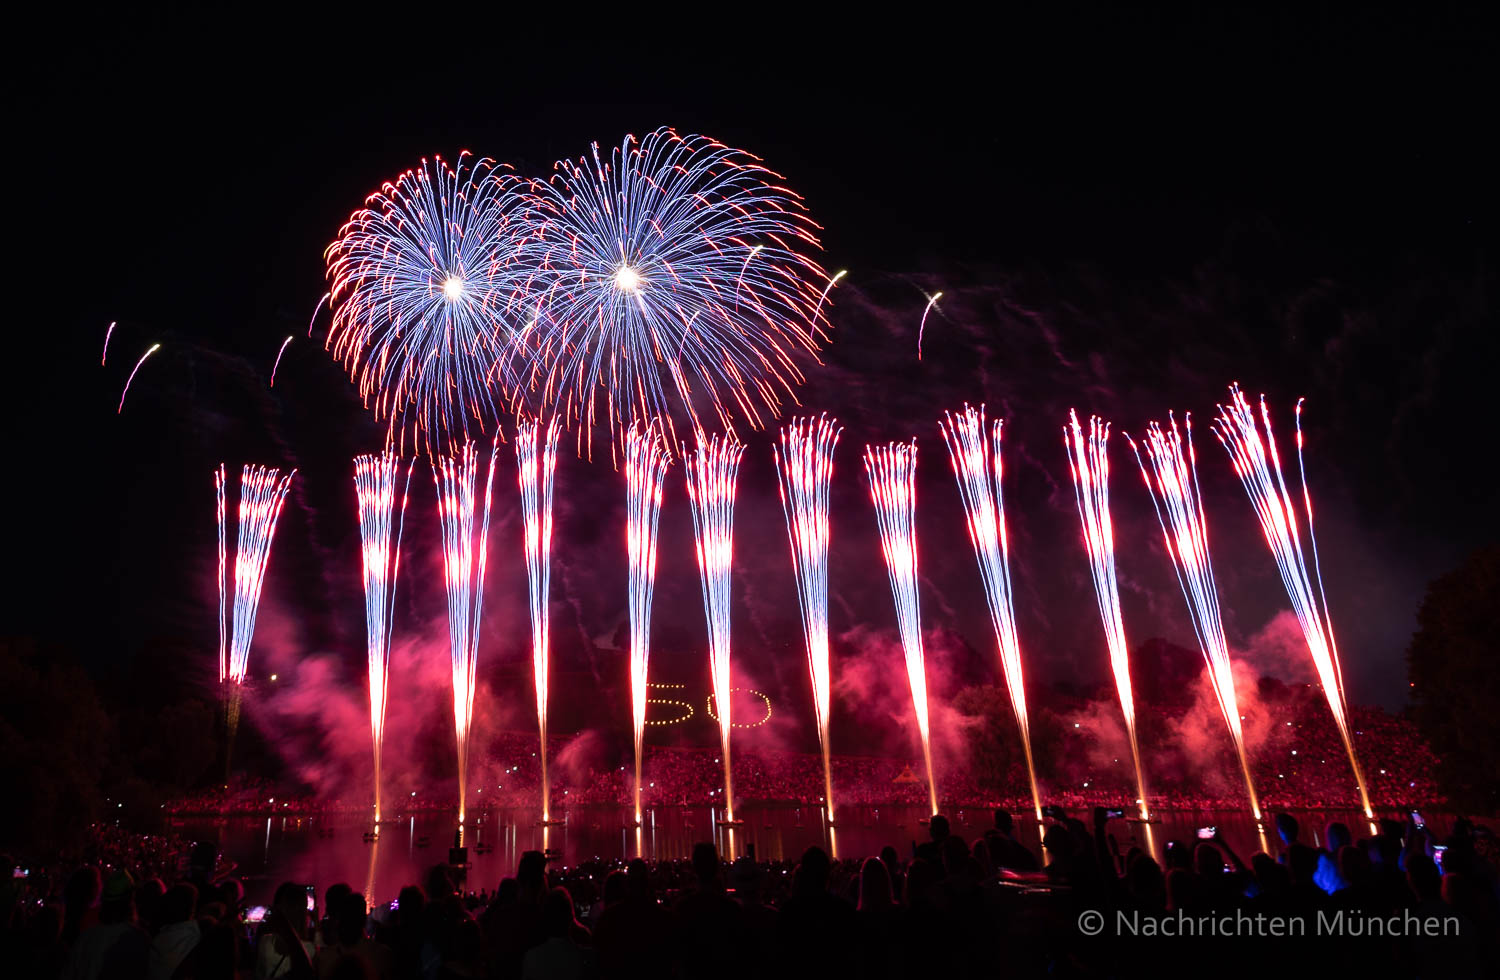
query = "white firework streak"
{"x": 646, "y": 462}
{"x": 1258, "y": 465}
{"x": 978, "y": 470}
{"x": 536, "y": 462}
{"x": 262, "y": 493}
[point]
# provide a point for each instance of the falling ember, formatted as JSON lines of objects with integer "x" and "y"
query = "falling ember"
{"x": 977, "y": 468}
{"x": 126, "y": 390}
{"x": 892, "y": 472}
{"x": 536, "y": 463}
{"x": 277, "y": 363}
{"x": 1258, "y": 465}
{"x": 262, "y": 494}
{"x": 1089, "y": 460}
{"x": 804, "y": 467}
{"x": 711, "y": 473}
{"x": 380, "y": 526}
{"x": 314, "y": 318}
{"x": 922, "y": 327}
{"x": 464, "y": 557}
{"x": 822, "y": 297}
{"x": 107, "y": 334}
{"x": 646, "y": 462}
{"x": 1179, "y": 508}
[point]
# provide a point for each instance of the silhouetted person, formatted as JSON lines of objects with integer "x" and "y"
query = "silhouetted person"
{"x": 1005, "y": 850}
{"x": 116, "y": 947}
{"x": 815, "y": 926}
{"x": 631, "y": 938}
{"x": 180, "y": 932}
{"x": 709, "y": 924}
{"x": 561, "y": 955}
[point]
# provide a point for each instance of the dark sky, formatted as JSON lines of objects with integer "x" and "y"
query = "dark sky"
{"x": 1124, "y": 216}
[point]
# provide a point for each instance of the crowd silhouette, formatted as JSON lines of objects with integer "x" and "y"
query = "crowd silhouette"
{"x": 948, "y": 907}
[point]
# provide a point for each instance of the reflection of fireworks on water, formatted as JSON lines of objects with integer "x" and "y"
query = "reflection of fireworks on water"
{"x": 804, "y": 468}
{"x": 1258, "y": 465}
{"x": 892, "y": 471}
{"x": 646, "y": 462}
{"x": 977, "y": 467}
{"x": 262, "y": 494}
{"x": 711, "y": 473}
{"x": 375, "y": 479}
{"x": 1179, "y": 507}
{"x": 536, "y": 463}
{"x": 421, "y": 290}
{"x": 1089, "y": 460}
{"x": 669, "y": 275}
{"x": 464, "y": 557}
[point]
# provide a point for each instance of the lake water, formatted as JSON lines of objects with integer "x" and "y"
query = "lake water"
{"x": 322, "y": 850}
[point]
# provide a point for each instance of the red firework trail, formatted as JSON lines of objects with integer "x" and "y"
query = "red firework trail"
{"x": 126, "y": 389}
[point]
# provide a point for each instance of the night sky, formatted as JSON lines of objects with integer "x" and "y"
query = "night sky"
{"x": 1123, "y": 217}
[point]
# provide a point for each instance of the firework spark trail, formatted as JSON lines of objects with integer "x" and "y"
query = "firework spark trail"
{"x": 126, "y": 390}
{"x": 1260, "y": 472}
{"x": 104, "y": 357}
{"x": 464, "y": 558}
{"x": 892, "y": 472}
{"x": 977, "y": 468}
{"x": 262, "y": 493}
{"x": 423, "y": 294}
{"x": 922, "y": 327}
{"x": 711, "y": 473}
{"x": 818, "y": 308}
{"x": 804, "y": 470}
{"x": 536, "y": 464}
{"x": 375, "y": 479}
{"x": 1179, "y": 508}
{"x": 670, "y": 277}
{"x": 1089, "y": 460}
{"x": 314, "y": 318}
{"x": 646, "y": 463}
{"x": 277, "y": 362}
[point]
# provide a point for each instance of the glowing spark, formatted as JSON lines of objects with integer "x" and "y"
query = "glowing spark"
{"x": 978, "y": 470}
{"x": 1179, "y": 508}
{"x": 107, "y": 334}
{"x": 711, "y": 473}
{"x": 646, "y": 462}
{"x": 1258, "y": 465}
{"x": 424, "y": 295}
{"x": 922, "y": 327}
{"x": 464, "y": 557}
{"x": 804, "y": 468}
{"x": 375, "y": 480}
{"x": 1089, "y": 460}
{"x": 277, "y": 363}
{"x": 314, "y": 318}
{"x": 126, "y": 390}
{"x": 536, "y": 463}
{"x": 823, "y": 296}
{"x": 642, "y": 290}
{"x": 892, "y": 472}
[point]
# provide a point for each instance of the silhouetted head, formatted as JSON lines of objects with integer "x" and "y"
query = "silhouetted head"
{"x": 939, "y": 828}
{"x": 411, "y": 903}
{"x": 921, "y": 880}
{"x": 705, "y": 862}
{"x": 117, "y": 900}
{"x": 290, "y": 904}
{"x": 638, "y": 877}
{"x": 874, "y": 885}
{"x": 1057, "y": 841}
{"x": 531, "y": 875}
{"x": 1207, "y": 860}
{"x": 1182, "y": 889}
{"x": 890, "y": 859}
{"x": 557, "y": 913}
{"x": 439, "y": 883}
{"x": 1354, "y": 865}
{"x": 1143, "y": 879}
{"x": 1424, "y": 878}
{"x": 1286, "y": 828}
{"x": 179, "y": 904}
{"x": 1003, "y": 821}
{"x": 1273, "y": 879}
{"x": 1178, "y": 855}
{"x": 815, "y": 868}
{"x": 349, "y": 918}
{"x": 1338, "y": 836}
{"x": 981, "y": 852}
{"x": 615, "y": 888}
{"x": 745, "y": 877}
{"x": 333, "y": 895}
{"x": 82, "y": 890}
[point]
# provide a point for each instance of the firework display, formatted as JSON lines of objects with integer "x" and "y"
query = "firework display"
{"x": 536, "y": 464}
{"x": 380, "y": 526}
{"x": 710, "y": 473}
{"x": 977, "y": 467}
{"x": 1172, "y": 483}
{"x": 277, "y": 363}
{"x": 422, "y": 288}
{"x": 646, "y": 463}
{"x": 262, "y": 494}
{"x": 669, "y": 277}
{"x": 804, "y": 470}
{"x": 1088, "y": 457}
{"x": 465, "y": 551}
{"x": 892, "y": 472}
{"x": 1258, "y": 465}
{"x": 126, "y": 390}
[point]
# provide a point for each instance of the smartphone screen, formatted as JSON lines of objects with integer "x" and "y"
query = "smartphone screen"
{"x": 1206, "y": 833}
{"x": 256, "y": 913}
{"x": 312, "y": 898}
